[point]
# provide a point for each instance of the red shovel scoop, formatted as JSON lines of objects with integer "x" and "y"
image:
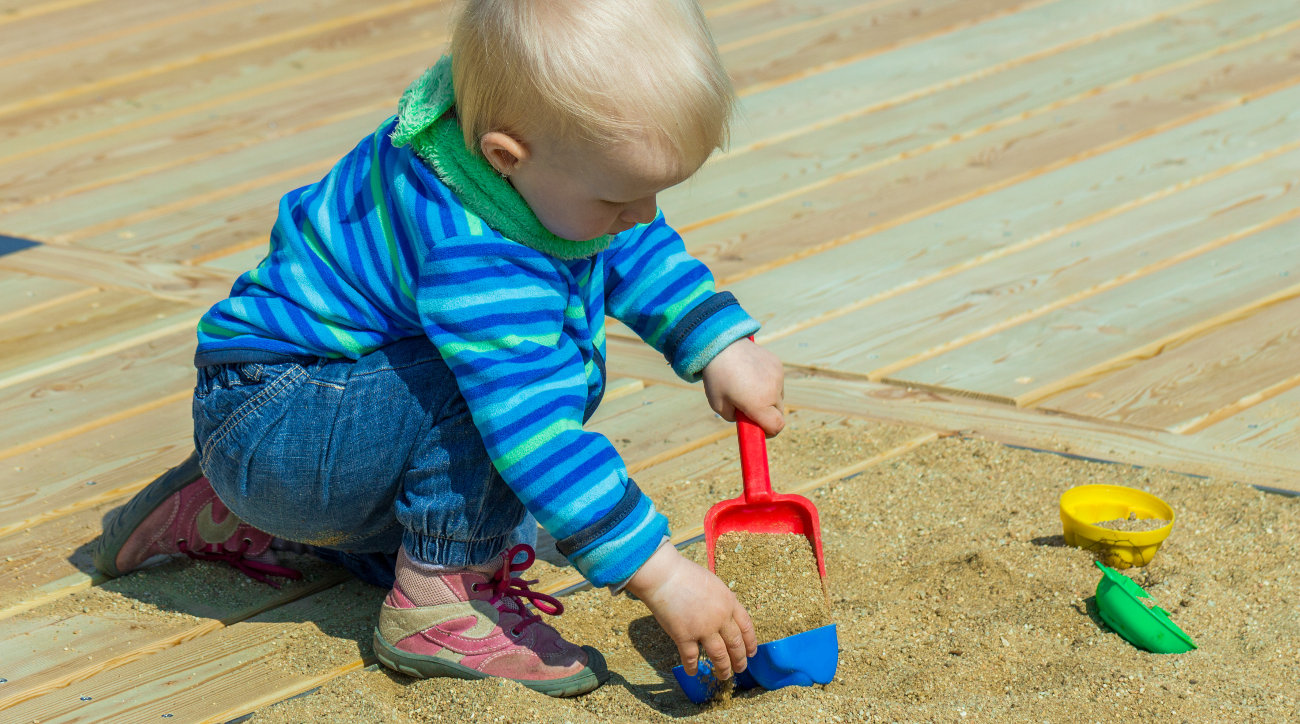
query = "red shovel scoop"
{"x": 758, "y": 509}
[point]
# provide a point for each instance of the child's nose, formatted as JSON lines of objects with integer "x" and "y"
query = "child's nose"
{"x": 641, "y": 211}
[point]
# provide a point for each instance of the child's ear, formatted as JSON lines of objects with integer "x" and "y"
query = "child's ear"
{"x": 503, "y": 151}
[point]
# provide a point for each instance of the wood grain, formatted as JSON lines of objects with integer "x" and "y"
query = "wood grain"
{"x": 1130, "y": 322}
{"x": 1187, "y": 387}
{"x": 1024, "y": 427}
{"x": 966, "y": 304}
{"x": 924, "y": 185}
{"x": 208, "y": 34}
{"x": 57, "y": 404}
{"x": 164, "y": 280}
{"x": 1273, "y": 424}
{"x": 969, "y": 104}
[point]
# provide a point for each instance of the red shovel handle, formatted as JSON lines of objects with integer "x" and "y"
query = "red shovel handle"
{"x": 753, "y": 460}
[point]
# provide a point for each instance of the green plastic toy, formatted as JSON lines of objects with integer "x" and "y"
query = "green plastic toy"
{"x": 1143, "y": 624}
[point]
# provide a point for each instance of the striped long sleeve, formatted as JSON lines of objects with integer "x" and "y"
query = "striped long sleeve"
{"x": 381, "y": 249}
{"x": 498, "y": 312}
{"x": 667, "y": 297}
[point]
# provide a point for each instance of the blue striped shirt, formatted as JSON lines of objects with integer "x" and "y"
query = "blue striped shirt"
{"x": 381, "y": 249}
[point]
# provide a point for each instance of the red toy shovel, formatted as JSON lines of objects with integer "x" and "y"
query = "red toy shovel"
{"x": 758, "y": 509}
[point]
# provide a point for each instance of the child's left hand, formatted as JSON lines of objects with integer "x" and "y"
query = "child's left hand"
{"x": 748, "y": 378}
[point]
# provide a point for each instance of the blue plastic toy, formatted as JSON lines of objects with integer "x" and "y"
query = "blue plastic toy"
{"x": 804, "y": 659}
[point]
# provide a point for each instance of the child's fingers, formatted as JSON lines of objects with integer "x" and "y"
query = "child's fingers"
{"x": 716, "y": 649}
{"x": 735, "y": 645}
{"x": 769, "y": 418}
{"x": 746, "y": 626}
{"x": 690, "y": 653}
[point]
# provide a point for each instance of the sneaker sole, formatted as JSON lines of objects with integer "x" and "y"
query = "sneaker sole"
{"x": 120, "y": 523}
{"x": 427, "y": 667}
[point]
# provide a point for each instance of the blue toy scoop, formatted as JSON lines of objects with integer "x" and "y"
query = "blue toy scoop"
{"x": 804, "y": 659}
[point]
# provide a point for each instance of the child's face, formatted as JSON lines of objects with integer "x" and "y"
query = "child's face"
{"x": 580, "y": 191}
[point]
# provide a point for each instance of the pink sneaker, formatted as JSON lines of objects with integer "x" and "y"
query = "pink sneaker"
{"x": 177, "y": 514}
{"x": 475, "y": 625}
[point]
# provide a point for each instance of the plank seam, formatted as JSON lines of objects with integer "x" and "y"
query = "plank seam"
{"x": 881, "y": 373}
{"x": 935, "y": 88}
{"x": 42, "y": 9}
{"x": 1096, "y": 371}
{"x": 181, "y": 161}
{"x": 1010, "y": 181}
{"x": 151, "y": 71}
{"x": 996, "y": 125}
{"x": 202, "y": 629}
{"x": 889, "y": 47}
{"x": 1209, "y": 419}
{"x": 125, "y": 31}
{"x": 187, "y": 321}
{"x": 1011, "y": 249}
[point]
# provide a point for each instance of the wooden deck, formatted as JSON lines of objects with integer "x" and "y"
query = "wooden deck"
{"x": 1063, "y": 225}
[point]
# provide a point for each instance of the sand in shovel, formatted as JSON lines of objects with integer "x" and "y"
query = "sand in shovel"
{"x": 774, "y": 575}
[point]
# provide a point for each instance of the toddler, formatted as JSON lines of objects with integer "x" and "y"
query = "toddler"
{"x": 400, "y": 385}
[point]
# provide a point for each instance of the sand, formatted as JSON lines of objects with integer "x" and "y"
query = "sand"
{"x": 955, "y": 600}
{"x": 775, "y": 577}
{"x": 1133, "y": 524}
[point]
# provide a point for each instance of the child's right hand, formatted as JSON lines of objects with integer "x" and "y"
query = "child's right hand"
{"x": 697, "y": 610}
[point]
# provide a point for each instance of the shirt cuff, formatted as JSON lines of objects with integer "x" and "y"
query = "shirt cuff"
{"x": 710, "y": 327}
{"x": 617, "y": 588}
{"x": 612, "y": 549}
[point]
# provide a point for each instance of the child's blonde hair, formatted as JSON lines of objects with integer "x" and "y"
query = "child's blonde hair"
{"x": 599, "y": 71}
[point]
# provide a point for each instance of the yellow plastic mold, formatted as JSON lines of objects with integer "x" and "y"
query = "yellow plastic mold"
{"x": 1087, "y": 504}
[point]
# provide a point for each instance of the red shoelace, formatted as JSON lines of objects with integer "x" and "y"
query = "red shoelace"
{"x": 254, "y": 569}
{"x": 505, "y": 585}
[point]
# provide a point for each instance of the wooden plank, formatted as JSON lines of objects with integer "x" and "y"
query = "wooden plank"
{"x": 112, "y": 210}
{"x": 104, "y": 463}
{"x": 1273, "y": 424}
{"x": 968, "y": 105}
{"x": 1188, "y": 387}
{"x": 210, "y": 34}
{"x": 1041, "y": 429}
{"x": 49, "y": 560}
{"x": 79, "y": 326}
{"x": 851, "y": 34}
{"x": 658, "y": 423}
{"x": 49, "y": 648}
{"x": 110, "y": 239}
{"x": 964, "y": 305}
{"x": 103, "y": 390}
{"x": 739, "y": 24}
{"x": 65, "y": 28}
{"x": 397, "y": 37}
{"x": 305, "y": 642}
{"x": 225, "y": 81}
{"x": 830, "y": 97}
{"x": 27, "y": 294}
{"x": 239, "y": 224}
{"x": 15, "y": 10}
{"x": 986, "y": 229}
{"x": 194, "y": 138}
{"x": 1029, "y": 361}
{"x": 183, "y": 140}
{"x": 859, "y": 206}
{"x": 164, "y": 280}
{"x": 1025, "y": 427}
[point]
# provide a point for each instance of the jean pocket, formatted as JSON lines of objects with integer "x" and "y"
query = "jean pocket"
{"x": 237, "y": 403}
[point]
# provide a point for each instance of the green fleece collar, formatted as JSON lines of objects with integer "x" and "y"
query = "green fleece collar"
{"x": 424, "y": 121}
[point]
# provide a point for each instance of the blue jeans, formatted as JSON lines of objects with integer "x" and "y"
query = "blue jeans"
{"x": 357, "y": 458}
